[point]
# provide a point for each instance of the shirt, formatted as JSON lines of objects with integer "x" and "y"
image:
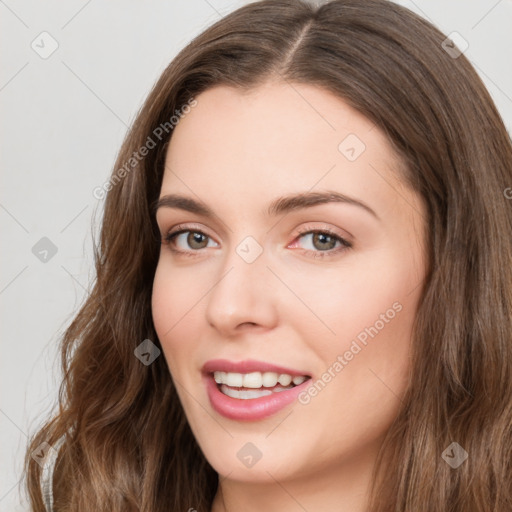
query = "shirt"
{"x": 47, "y": 475}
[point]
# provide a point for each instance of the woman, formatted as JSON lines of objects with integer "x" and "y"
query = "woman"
{"x": 304, "y": 281}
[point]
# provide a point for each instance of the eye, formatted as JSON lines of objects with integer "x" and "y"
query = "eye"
{"x": 187, "y": 241}
{"x": 322, "y": 243}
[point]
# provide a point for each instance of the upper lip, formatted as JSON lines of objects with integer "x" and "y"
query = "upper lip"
{"x": 248, "y": 366}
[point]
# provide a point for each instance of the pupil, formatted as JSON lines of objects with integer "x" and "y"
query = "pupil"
{"x": 322, "y": 238}
{"x": 195, "y": 238}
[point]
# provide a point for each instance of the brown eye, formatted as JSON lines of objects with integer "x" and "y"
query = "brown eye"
{"x": 187, "y": 240}
{"x": 197, "y": 240}
{"x": 323, "y": 241}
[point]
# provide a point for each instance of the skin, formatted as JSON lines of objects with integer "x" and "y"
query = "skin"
{"x": 236, "y": 152}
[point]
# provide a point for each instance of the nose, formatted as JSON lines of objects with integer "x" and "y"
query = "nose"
{"x": 242, "y": 297}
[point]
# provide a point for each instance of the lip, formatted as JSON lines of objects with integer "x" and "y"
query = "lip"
{"x": 252, "y": 409}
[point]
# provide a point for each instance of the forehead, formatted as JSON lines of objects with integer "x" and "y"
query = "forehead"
{"x": 276, "y": 139}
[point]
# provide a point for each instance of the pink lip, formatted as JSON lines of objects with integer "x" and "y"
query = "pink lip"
{"x": 253, "y": 409}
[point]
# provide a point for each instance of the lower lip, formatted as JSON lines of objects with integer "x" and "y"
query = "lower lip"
{"x": 252, "y": 409}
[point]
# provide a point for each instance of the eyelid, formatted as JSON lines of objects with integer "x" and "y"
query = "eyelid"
{"x": 187, "y": 227}
{"x": 175, "y": 231}
{"x": 308, "y": 228}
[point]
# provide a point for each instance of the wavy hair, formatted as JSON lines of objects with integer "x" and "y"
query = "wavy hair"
{"x": 126, "y": 444}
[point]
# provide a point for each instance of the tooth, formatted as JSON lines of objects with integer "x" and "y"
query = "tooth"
{"x": 252, "y": 380}
{"x": 270, "y": 379}
{"x": 257, "y": 380}
{"x": 278, "y": 389}
{"x": 245, "y": 394}
{"x": 234, "y": 380}
{"x": 284, "y": 379}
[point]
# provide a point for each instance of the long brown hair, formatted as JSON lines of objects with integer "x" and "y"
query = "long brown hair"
{"x": 127, "y": 445}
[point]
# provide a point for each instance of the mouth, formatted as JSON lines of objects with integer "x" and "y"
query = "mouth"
{"x": 248, "y": 386}
{"x": 251, "y": 390}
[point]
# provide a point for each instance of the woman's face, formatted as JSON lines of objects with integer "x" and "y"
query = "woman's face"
{"x": 249, "y": 279}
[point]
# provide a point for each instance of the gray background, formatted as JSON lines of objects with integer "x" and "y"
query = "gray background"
{"x": 63, "y": 120}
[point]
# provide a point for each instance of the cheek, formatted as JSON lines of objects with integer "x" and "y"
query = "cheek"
{"x": 174, "y": 304}
{"x": 346, "y": 300}
{"x": 360, "y": 332}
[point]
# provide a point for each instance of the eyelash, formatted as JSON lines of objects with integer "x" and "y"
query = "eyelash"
{"x": 345, "y": 244}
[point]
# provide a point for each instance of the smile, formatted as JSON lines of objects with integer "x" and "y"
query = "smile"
{"x": 251, "y": 395}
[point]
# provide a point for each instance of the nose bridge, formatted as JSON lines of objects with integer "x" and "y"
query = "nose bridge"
{"x": 241, "y": 294}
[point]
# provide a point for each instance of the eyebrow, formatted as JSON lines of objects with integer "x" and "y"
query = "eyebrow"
{"x": 279, "y": 206}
